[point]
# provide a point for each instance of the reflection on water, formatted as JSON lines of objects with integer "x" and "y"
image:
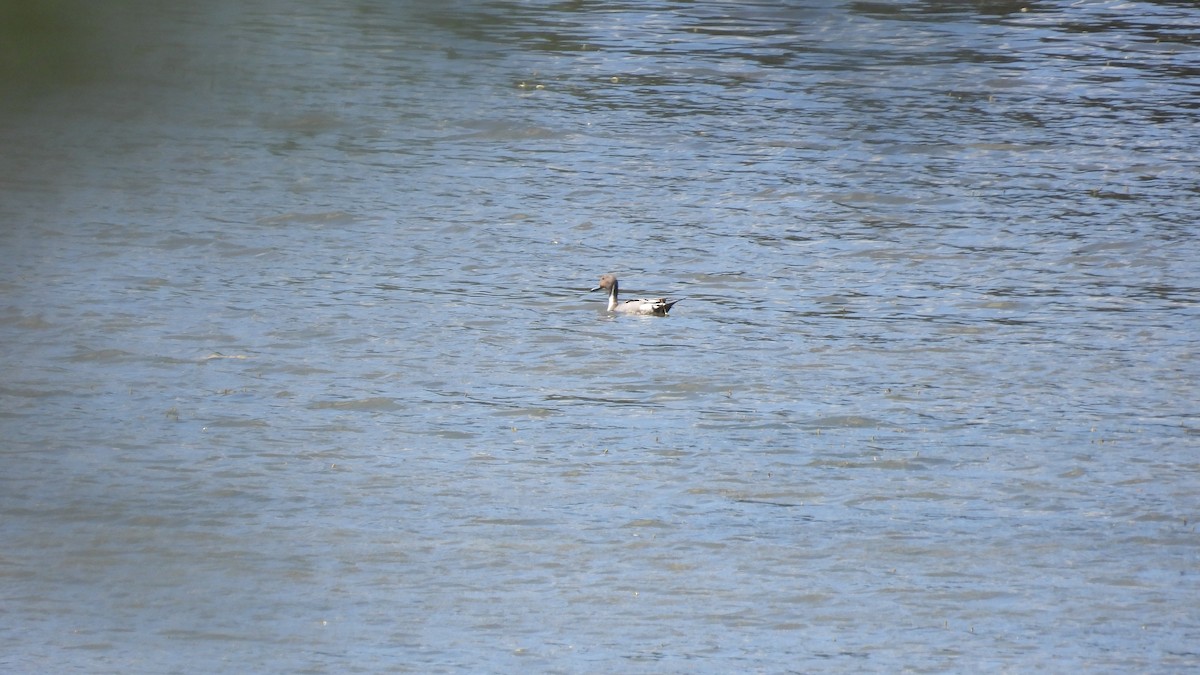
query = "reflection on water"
{"x": 300, "y": 370}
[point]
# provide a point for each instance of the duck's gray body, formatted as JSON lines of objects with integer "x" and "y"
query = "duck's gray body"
{"x": 652, "y": 307}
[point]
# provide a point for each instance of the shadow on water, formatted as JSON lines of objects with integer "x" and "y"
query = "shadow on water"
{"x": 49, "y": 46}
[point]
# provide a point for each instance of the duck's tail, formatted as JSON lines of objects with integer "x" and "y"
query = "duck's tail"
{"x": 668, "y": 304}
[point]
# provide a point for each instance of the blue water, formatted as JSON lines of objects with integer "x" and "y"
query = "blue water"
{"x": 301, "y": 373}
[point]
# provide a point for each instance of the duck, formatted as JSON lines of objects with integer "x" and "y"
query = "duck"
{"x": 647, "y": 306}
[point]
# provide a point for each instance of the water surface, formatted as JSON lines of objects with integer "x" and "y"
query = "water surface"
{"x": 301, "y": 374}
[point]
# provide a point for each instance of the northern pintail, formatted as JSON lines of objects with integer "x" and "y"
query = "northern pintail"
{"x": 655, "y": 306}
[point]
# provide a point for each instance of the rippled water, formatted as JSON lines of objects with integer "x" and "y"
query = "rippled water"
{"x": 301, "y": 374}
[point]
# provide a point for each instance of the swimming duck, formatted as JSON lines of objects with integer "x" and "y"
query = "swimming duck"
{"x": 655, "y": 306}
